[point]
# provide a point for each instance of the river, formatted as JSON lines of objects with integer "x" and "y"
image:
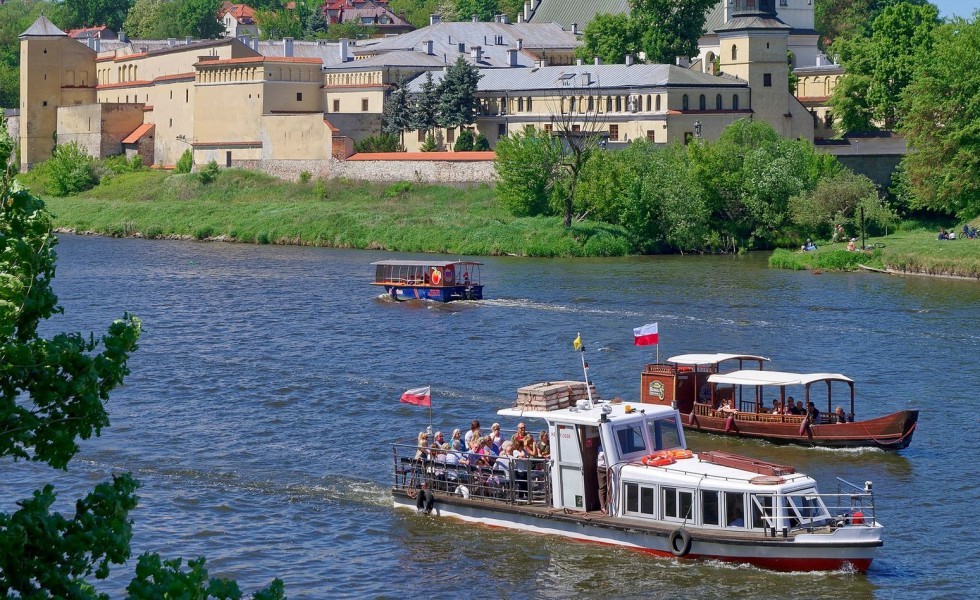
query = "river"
{"x": 264, "y": 398}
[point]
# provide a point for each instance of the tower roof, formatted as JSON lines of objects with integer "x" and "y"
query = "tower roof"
{"x": 43, "y": 27}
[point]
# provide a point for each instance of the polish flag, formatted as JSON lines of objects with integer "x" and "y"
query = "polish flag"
{"x": 646, "y": 335}
{"x": 418, "y": 396}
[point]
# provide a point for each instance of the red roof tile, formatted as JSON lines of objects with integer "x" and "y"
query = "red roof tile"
{"x": 138, "y": 133}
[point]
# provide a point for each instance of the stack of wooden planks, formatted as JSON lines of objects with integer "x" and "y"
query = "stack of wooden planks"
{"x": 553, "y": 395}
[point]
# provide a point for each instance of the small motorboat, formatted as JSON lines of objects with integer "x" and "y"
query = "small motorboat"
{"x": 436, "y": 280}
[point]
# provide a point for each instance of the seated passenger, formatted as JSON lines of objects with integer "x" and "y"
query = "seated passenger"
{"x": 839, "y": 413}
{"x": 775, "y": 408}
{"x": 728, "y": 409}
{"x": 531, "y": 447}
{"x": 544, "y": 446}
{"x": 799, "y": 408}
{"x": 422, "y": 450}
{"x": 812, "y": 413}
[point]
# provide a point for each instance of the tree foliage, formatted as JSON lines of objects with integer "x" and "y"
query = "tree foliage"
{"x": 53, "y": 393}
{"x": 528, "y": 167}
{"x": 397, "y": 115}
{"x": 849, "y": 19}
{"x": 70, "y": 170}
{"x": 669, "y": 28}
{"x": 457, "y": 94}
{"x": 836, "y": 199}
{"x": 90, "y": 13}
{"x": 15, "y": 18}
{"x": 426, "y": 104}
{"x": 941, "y": 123}
{"x": 464, "y": 141}
{"x": 609, "y": 37}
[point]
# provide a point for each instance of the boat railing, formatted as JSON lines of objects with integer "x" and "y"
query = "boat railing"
{"x": 706, "y": 410}
{"x": 522, "y": 481}
{"x": 781, "y": 514}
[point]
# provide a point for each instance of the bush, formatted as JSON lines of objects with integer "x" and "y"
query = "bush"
{"x": 71, "y": 170}
{"x": 464, "y": 143}
{"x": 481, "y": 144}
{"x": 397, "y": 189}
{"x": 320, "y": 189}
{"x": 185, "y": 163}
{"x": 108, "y": 168}
{"x": 209, "y": 173}
{"x": 305, "y": 176}
{"x": 384, "y": 142}
{"x": 430, "y": 144}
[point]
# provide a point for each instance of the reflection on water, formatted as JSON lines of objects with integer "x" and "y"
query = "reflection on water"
{"x": 264, "y": 399}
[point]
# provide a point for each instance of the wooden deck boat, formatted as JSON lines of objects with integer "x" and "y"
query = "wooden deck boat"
{"x": 698, "y": 386}
{"x": 437, "y": 280}
{"x": 663, "y": 499}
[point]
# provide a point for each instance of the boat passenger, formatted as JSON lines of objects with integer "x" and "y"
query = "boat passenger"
{"x": 531, "y": 447}
{"x": 799, "y": 408}
{"x": 521, "y": 433}
{"x": 473, "y": 432}
{"x": 602, "y": 476}
{"x": 422, "y": 450}
{"x": 812, "y": 413}
{"x": 544, "y": 446}
{"x": 439, "y": 441}
{"x": 839, "y": 413}
{"x": 457, "y": 437}
{"x": 775, "y": 407}
{"x": 728, "y": 409}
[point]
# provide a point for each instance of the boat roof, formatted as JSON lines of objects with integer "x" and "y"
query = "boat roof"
{"x": 711, "y": 359}
{"x": 777, "y": 378}
{"x": 693, "y": 471}
{"x": 424, "y": 263}
{"x": 613, "y": 411}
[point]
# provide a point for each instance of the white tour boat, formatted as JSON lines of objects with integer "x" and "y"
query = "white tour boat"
{"x": 662, "y": 498}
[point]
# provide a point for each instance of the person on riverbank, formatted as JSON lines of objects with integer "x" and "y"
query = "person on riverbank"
{"x": 851, "y": 246}
{"x": 809, "y": 246}
{"x": 839, "y": 234}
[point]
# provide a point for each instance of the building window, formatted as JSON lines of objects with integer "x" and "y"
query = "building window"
{"x": 614, "y": 133}
{"x": 609, "y": 104}
{"x": 619, "y": 104}
{"x": 784, "y": 2}
{"x": 547, "y": 127}
{"x": 576, "y": 128}
{"x": 658, "y": 103}
{"x": 502, "y": 129}
{"x": 187, "y": 95}
{"x": 702, "y": 103}
{"x": 718, "y": 102}
{"x": 734, "y": 509}
{"x": 336, "y": 105}
{"x": 450, "y": 135}
{"x": 649, "y": 103}
{"x": 767, "y": 80}
{"x": 421, "y": 135}
{"x": 171, "y": 94}
{"x": 734, "y": 101}
{"x": 734, "y": 52}
{"x": 364, "y": 104}
{"x": 171, "y": 123}
{"x": 45, "y": 103}
{"x": 685, "y": 103}
{"x": 829, "y": 119}
{"x": 529, "y": 104}
{"x": 640, "y": 499}
{"x": 299, "y": 96}
{"x": 651, "y": 135}
{"x": 591, "y": 103}
{"x": 709, "y": 507}
{"x": 520, "y": 105}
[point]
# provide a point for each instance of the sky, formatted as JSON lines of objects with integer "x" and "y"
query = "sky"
{"x": 959, "y": 8}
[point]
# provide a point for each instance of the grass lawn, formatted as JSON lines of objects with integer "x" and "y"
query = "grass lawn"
{"x": 914, "y": 251}
{"x": 252, "y": 207}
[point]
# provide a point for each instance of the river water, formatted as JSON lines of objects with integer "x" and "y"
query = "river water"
{"x": 264, "y": 398}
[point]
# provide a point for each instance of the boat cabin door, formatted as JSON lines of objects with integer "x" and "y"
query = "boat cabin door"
{"x": 577, "y": 452}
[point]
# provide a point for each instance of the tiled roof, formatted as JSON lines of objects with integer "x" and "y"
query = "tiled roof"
{"x": 138, "y": 133}
{"x": 43, "y": 27}
{"x": 599, "y": 77}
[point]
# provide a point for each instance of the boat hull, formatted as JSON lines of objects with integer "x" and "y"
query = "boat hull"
{"x": 447, "y": 293}
{"x": 850, "y": 548}
{"x": 890, "y": 432}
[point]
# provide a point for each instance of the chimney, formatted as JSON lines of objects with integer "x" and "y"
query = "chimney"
{"x": 434, "y": 19}
{"x": 512, "y": 57}
{"x": 428, "y": 47}
{"x": 287, "y": 46}
{"x": 520, "y": 17}
{"x": 171, "y": 42}
{"x": 520, "y": 43}
{"x": 578, "y": 62}
{"x": 461, "y": 47}
{"x": 585, "y": 79}
{"x": 189, "y": 39}
{"x": 122, "y": 36}
{"x": 575, "y": 28}
{"x": 629, "y": 60}
{"x": 476, "y": 52}
{"x": 344, "y": 47}
{"x": 527, "y": 11}
{"x": 597, "y": 60}
{"x": 504, "y": 19}
{"x": 97, "y": 44}
{"x": 255, "y": 43}
{"x": 475, "y": 18}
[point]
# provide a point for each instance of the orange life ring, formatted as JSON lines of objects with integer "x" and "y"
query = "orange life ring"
{"x": 681, "y": 454}
{"x": 436, "y": 277}
{"x": 658, "y": 459}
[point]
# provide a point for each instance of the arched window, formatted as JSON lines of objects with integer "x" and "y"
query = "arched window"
{"x": 685, "y": 104}
{"x": 734, "y": 52}
{"x": 702, "y": 103}
{"x": 658, "y": 102}
{"x": 718, "y": 102}
{"x": 734, "y": 101}
{"x": 571, "y": 104}
{"x": 619, "y": 104}
{"x": 649, "y": 103}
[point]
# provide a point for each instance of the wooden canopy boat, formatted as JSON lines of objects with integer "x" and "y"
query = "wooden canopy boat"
{"x": 698, "y": 386}
{"x": 660, "y": 498}
{"x": 437, "y": 280}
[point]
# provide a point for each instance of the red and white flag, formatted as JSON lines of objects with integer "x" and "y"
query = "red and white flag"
{"x": 646, "y": 335}
{"x": 418, "y": 396}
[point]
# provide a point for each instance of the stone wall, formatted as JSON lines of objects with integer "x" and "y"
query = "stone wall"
{"x": 287, "y": 169}
{"x": 423, "y": 171}
{"x": 12, "y": 116}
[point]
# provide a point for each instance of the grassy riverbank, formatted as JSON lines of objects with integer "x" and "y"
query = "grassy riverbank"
{"x": 912, "y": 251}
{"x": 251, "y": 207}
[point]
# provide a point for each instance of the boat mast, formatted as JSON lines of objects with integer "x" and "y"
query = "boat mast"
{"x": 578, "y": 345}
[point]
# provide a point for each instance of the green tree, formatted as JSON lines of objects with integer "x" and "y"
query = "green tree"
{"x": 185, "y": 163}
{"x": 483, "y": 9}
{"x": 426, "y": 105}
{"x": 70, "y": 170}
{"x": 397, "y": 116}
{"x": 835, "y": 199}
{"x": 199, "y": 18}
{"x": 611, "y": 38}
{"x": 385, "y": 142}
{"x": 276, "y": 24}
{"x": 464, "y": 142}
{"x": 350, "y": 30}
{"x": 457, "y": 94}
{"x": 89, "y": 13}
{"x": 416, "y": 11}
{"x": 885, "y": 61}
{"x": 528, "y": 165}
{"x": 148, "y": 19}
{"x": 940, "y": 124}
{"x": 849, "y": 19}
{"x": 850, "y": 101}
{"x": 53, "y": 393}
{"x": 669, "y": 28}
{"x": 481, "y": 143}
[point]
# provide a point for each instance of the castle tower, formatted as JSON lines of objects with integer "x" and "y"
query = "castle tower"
{"x": 55, "y": 70}
{"x": 753, "y": 46}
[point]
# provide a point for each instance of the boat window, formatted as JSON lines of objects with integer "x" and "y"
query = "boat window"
{"x": 709, "y": 507}
{"x": 677, "y": 503}
{"x": 762, "y": 511}
{"x": 809, "y": 508}
{"x": 630, "y": 440}
{"x": 670, "y": 502}
{"x": 640, "y": 499}
{"x": 734, "y": 509}
{"x": 664, "y": 433}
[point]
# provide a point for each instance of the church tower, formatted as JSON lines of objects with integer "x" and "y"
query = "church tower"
{"x": 55, "y": 70}
{"x": 753, "y": 46}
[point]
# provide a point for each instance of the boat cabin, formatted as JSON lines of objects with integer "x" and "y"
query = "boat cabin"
{"x": 437, "y": 280}
{"x": 682, "y": 380}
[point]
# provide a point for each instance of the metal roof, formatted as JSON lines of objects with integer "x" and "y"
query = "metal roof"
{"x": 43, "y": 27}
{"x": 447, "y": 36}
{"x": 600, "y": 77}
{"x": 566, "y": 12}
{"x": 776, "y": 378}
{"x": 398, "y": 58}
{"x": 711, "y": 359}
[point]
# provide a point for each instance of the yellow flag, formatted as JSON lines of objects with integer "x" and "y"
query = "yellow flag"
{"x": 578, "y": 342}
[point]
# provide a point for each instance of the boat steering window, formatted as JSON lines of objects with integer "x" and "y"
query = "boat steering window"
{"x": 665, "y": 433}
{"x": 734, "y": 509}
{"x": 709, "y": 507}
{"x": 630, "y": 440}
{"x": 809, "y": 508}
{"x": 640, "y": 499}
{"x": 678, "y": 504}
{"x": 762, "y": 511}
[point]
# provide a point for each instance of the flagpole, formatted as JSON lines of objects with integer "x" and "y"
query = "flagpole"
{"x": 585, "y": 372}
{"x": 430, "y": 411}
